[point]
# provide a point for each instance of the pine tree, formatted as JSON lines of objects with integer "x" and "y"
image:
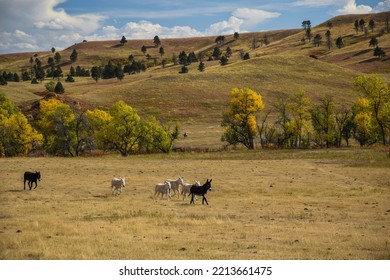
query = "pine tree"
{"x": 156, "y": 41}
{"x": 224, "y": 60}
{"x": 73, "y": 56}
{"x": 123, "y": 40}
{"x": 201, "y": 67}
{"x": 59, "y": 88}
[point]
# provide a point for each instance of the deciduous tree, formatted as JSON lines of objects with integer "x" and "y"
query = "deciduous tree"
{"x": 376, "y": 103}
{"x": 240, "y": 118}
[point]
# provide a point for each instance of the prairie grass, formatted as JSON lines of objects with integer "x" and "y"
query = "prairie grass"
{"x": 263, "y": 205}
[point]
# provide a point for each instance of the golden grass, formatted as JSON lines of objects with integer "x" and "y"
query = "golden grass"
{"x": 326, "y": 204}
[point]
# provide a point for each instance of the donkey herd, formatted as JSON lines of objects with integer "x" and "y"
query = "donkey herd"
{"x": 169, "y": 188}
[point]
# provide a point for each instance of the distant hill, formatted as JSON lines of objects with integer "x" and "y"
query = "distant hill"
{"x": 283, "y": 66}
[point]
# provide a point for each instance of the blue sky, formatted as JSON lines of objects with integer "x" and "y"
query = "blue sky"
{"x": 39, "y": 25}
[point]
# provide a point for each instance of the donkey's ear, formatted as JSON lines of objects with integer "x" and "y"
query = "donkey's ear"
{"x": 210, "y": 180}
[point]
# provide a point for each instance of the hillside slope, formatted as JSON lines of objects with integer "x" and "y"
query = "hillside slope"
{"x": 197, "y": 99}
{"x": 356, "y": 54}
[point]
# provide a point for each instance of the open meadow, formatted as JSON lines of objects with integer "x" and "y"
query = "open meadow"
{"x": 302, "y": 204}
{"x": 264, "y": 204}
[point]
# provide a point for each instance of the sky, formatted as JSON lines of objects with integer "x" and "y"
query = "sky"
{"x": 39, "y": 25}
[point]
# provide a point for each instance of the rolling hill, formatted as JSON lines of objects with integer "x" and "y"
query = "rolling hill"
{"x": 196, "y": 99}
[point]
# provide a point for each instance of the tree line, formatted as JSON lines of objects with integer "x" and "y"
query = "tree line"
{"x": 62, "y": 130}
{"x": 296, "y": 122}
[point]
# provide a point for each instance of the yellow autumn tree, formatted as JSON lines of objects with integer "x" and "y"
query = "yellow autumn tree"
{"x": 17, "y": 137}
{"x": 56, "y": 121}
{"x": 376, "y": 91}
{"x": 366, "y": 128}
{"x": 240, "y": 118}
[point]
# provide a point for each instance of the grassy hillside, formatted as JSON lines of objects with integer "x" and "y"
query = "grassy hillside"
{"x": 196, "y": 99}
{"x": 356, "y": 55}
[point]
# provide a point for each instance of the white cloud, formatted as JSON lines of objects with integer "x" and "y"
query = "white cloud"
{"x": 383, "y": 6}
{"x": 24, "y": 23}
{"x": 141, "y": 30}
{"x": 352, "y": 8}
{"x": 233, "y": 24}
{"x": 241, "y": 20}
{"x": 21, "y": 35}
{"x": 317, "y": 3}
{"x": 41, "y": 25}
{"x": 252, "y": 17}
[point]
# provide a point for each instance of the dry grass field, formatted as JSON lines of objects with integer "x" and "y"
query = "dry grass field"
{"x": 321, "y": 204}
{"x": 302, "y": 204}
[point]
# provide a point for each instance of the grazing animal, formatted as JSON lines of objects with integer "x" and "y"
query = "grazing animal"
{"x": 187, "y": 187}
{"x": 175, "y": 184}
{"x": 163, "y": 188}
{"x": 201, "y": 190}
{"x": 117, "y": 184}
{"x": 31, "y": 177}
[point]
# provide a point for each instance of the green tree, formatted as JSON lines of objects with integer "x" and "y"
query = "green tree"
{"x": 26, "y": 76}
{"x": 124, "y": 130}
{"x": 143, "y": 49}
{"x": 184, "y": 70}
{"x": 344, "y": 123}
{"x": 161, "y": 51}
{"x": 156, "y": 41}
{"x": 224, "y": 61}
{"x": 371, "y": 25}
{"x": 317, "y": 40}
{"x": 69, "y": 79}
{"x": 228, "y": 52}
{"x": 73, "y": 56}
{"x": 183, "y": 58}
{"x": 373, "y": 42}
{"x": 324, "y": 122}
{"x": 217, "y": 53}
{"x": 96, "y": 73}
{"x": 356, "y": 25}
{"x": 340, "y": 42}
{"x": 220, "y": 39}
{"x": 156, "y": 137}
{"x": 123, "y": 40}
{"x": 379, "y": 52}
{"x": 201, "y": 67}
{"x": 240, "y": 118}
{"x": 59, "y": 88}
{"x": 57, "y": 57}
{"x": 362, "y": 24}
{"x": 50, "y": 86}
{"x": 328, "y": 39}
{"x": 306, "y": 24}
{"x": 119, "y": 73}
